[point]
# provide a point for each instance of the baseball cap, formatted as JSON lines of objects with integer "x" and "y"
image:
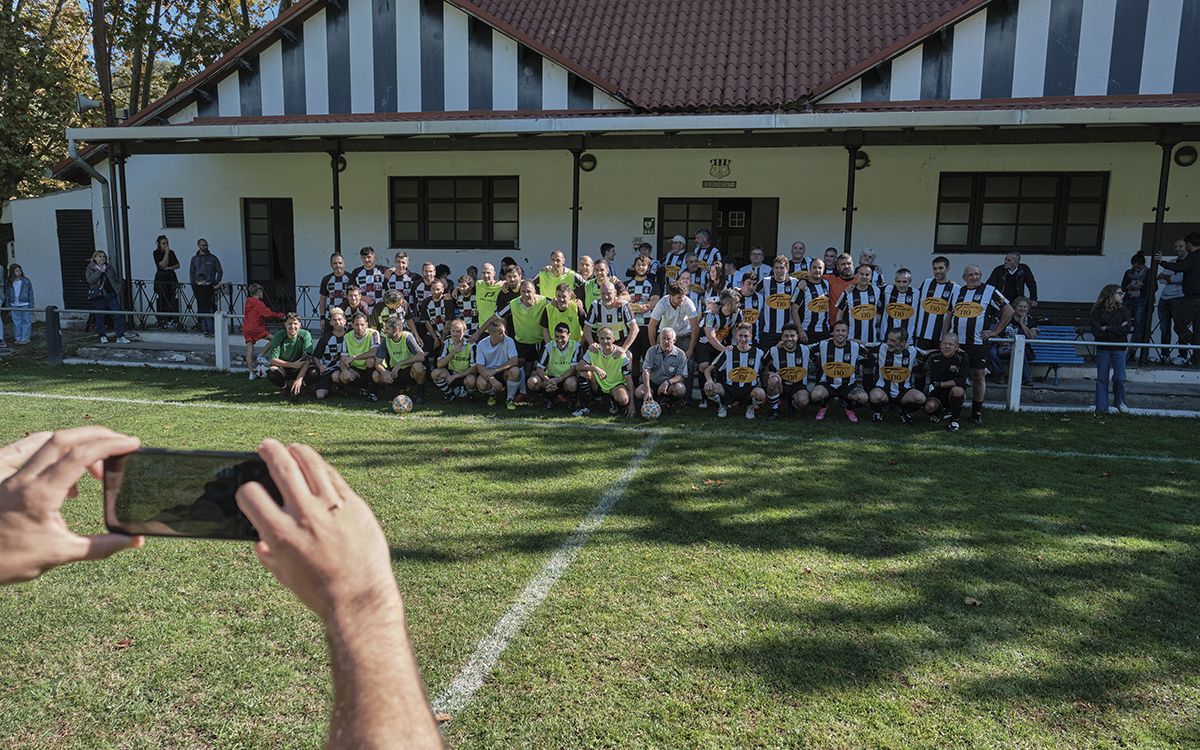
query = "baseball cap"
{"x": 679, "y": 238}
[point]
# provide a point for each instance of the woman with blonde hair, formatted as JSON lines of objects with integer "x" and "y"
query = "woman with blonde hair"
{"x": 104, "y": 292}
{"x": 1111, "y": 323}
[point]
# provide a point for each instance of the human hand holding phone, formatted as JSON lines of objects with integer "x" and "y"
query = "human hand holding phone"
{"x": 39, "y": 472}
{"x": 323, "y": 542}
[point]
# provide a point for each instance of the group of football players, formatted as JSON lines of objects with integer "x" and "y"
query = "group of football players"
{"x": 687, "y": 329}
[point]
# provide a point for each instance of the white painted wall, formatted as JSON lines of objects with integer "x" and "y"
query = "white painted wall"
{"x": 35, "y": 239}
{"x": 896, "y": 199}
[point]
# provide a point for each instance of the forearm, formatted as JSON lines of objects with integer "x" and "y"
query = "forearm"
{"x": 379, "y": 699}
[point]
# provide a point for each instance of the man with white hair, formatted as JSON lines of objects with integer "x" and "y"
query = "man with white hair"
{"x": 868, "y": 257}
{"x": 664, "y": 371}
{"x": 800, "y": 261}
{"x": 970, "y": 307}
{"x": 706, "y": 254}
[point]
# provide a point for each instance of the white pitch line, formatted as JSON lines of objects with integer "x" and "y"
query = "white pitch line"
{"x": 716, "y": 431}
{"x": 471, "y": 677}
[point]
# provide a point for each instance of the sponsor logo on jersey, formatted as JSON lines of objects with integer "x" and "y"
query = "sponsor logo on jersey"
{"x": 968, "y": 310}
{"x": 819, "y": 304}
{"x": 793, "y": 374}
{"x": 673, "y": 271}
{"x": 935, "y": 305}
{"x": 779, "y": 301}
{"x": 750, "y": 315}
{"x": 742, "y": 375}
{"x": 895, "y": 373}
{"x": 900, "y": 311}
{"x": 722, "y": 333}
{"x": 800, "y": 275}
{"x": 838, "y": 370}
{"x": 863, "y": 312}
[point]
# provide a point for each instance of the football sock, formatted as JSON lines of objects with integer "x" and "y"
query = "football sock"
{"x": 443, "y": 386}
{"x": 512, "y": 386}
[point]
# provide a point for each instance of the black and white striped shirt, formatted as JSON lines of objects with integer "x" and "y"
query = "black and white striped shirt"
{"x": 970, "y": 312}
{"x": 860, "y": 309}
{"x": 899, "y": 311}
{"x": 800, "y": 268}
{"x": 674, "y": 263}
{"x": 707, "y": 257}
{"x": 814, "y": 306}
{"x": 792, "y": 367}
{"x": 370, "y": 283}
{"x": 896, "y": 369}
{"x": 838, "y": 365}
{"x": 740, "y": 368}
{"x": 722, "y": 325}
{"x": 933, "y": 308}
{"x": 776, "y": 300}
{"x": 618, "y": 318}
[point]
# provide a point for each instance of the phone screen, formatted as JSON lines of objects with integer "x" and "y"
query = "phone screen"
{"x": 162, "y": 492}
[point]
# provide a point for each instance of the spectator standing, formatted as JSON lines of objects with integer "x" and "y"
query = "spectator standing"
{"x": 1014, "y": 279}
{"x": 205, "y": 274}
{"x": 1168, "y": 304}
{"x": 1133, "y": 284}
{"x": 20, "y": 296}
{"x": 1111, "y": 322}
{"x": 4, "y": 349}
{"x": 104, "y": 292}
{"x": 1187, "y": 313}
{"x": 166, "y": 283}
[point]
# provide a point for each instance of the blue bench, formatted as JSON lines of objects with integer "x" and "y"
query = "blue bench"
{"x": 1054, "y": 354}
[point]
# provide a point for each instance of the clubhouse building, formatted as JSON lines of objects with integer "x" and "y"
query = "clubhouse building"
{"x": 464, "y": 132}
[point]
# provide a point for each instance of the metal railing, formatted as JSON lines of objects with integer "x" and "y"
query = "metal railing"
{"x": 230, "y": 298}
{"x": 1017, "y": 363}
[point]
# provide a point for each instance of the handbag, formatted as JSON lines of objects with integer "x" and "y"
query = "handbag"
{"x": 95, "y": 293}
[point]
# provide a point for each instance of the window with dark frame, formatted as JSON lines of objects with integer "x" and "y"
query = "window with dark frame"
{"x": 1032, "y": 212}
{"x": 454, "y": 212}
{"x": 172, "y": 213}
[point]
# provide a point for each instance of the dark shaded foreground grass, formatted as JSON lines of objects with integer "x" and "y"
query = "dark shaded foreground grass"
{"x": 802, "y": 590}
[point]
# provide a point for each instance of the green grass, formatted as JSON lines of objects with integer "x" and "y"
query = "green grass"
{"x": 805, "y": 590}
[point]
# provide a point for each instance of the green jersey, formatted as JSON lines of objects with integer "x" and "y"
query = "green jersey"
{"x": 571, "y": 316}
{"x": 290, "y": 350}
{"x": 356, "y": 346}
{"x": 393, "y": 352}
{"x": 485, "y": 299}
{"x": 557, "y": 361}
{"x": 547, "y": 282}
{"x": 459, "y": 360}
{"x": 527, "y": 321}
{"x": 616, "y": 368}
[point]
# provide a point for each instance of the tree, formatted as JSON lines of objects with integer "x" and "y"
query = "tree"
{"x": 44, "y": 63}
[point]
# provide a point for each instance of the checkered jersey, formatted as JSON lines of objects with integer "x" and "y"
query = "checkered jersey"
{"x": 328, "y": 352}
{"x": 370, "y": 283}
{"x": 642, "y": 291}
{"x": 333, "y": 288}
{"x": 468, "y": 313}
{"x": 401, "y": 282}
{"x": 438, "y": 313}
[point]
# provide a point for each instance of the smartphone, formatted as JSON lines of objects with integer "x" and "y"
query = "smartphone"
{"x": 161, "y": 492}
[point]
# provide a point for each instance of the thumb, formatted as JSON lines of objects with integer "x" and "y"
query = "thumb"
{"x": 105, "y": 545}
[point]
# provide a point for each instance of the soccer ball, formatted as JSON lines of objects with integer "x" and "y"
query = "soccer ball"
{"x": 260, "y": 370}
{"x": 402, "y": 404}
{"x": 651, "y": 410}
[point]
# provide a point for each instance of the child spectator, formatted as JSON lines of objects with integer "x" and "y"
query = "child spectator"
{"x": 1133, "y": 283}
{"x": 255, "y": 314}
{"x": 20, "y": 296}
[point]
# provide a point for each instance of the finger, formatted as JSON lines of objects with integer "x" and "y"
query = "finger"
{"x": 14, "y": 455}
{"x": 102, "y": 546}
{"x": 264, "y": 513}
{"x": 63, "y": 441}
{"x": 71, "y": 465}
{"x": 315, "y": 470}
{"x": 288, "y": 477}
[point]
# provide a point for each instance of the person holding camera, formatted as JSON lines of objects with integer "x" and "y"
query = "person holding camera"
{"x": 323, "y": 544}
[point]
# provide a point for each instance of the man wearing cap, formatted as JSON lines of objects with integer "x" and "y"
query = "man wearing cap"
{"x": 676, "y": 259}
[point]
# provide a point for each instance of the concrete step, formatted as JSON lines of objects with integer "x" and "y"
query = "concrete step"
{"x": 159, "y": 354}
{"x": 1082, "y": 392}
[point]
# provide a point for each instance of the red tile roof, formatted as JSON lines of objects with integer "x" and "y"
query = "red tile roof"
{"x": 664, "y": 55}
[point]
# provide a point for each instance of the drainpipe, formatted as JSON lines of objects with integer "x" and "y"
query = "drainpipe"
{"x": 852, "y": 152}
{"x": 110, "y": 240}
{"x": 575, "y": 154}
{"x": 1160, "y": 217}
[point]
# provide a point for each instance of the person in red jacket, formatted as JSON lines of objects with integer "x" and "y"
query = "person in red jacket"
{"x": 255, "y": 314}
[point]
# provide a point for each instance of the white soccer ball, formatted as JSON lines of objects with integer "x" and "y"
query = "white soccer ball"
{"x": 651, "y": 410}
{"x": 402, "y": 404}
{"x": 260, "y": 370}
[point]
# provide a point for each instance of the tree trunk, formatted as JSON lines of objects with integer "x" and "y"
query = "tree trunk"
{"x": 245, "y": 17}
{"x": 151, "y": 53}
{"x": 103, "y": 61}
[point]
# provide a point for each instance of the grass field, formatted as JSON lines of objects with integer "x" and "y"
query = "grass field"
{"x": 777, "y": 585}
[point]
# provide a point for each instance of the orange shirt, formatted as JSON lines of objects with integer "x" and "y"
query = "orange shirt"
{"x": 837, "y": 285}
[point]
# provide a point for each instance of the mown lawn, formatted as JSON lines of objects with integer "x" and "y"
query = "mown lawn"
{"x": 783, "y": 585}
